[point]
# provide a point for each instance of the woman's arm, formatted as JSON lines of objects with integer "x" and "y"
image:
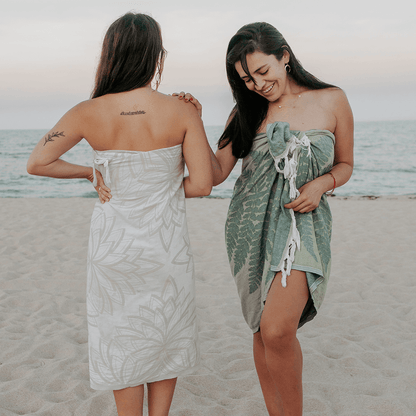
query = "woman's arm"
{"x": 196, "y": 152}
{"x": 311, "y": 193}
{"x": 45, "y": 157}
{"x": 223, "y": 163}
{"x": 223, "y": 160}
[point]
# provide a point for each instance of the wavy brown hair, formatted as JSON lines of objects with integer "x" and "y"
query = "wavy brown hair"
{"x": 131, "y": 55}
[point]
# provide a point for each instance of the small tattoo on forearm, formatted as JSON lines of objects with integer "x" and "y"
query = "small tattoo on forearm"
{"x": 50, "y": 136}
{"x": 132, "y": 113}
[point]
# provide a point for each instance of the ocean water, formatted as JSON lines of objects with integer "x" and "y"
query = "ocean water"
{"x": 385, "y": 164}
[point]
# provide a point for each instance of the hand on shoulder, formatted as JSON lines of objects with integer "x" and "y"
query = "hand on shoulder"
{"x": 189, "y": 98}
{"x": 186, "y": 110}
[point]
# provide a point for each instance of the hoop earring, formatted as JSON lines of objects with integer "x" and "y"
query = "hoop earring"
{"x": 288, "y": 68}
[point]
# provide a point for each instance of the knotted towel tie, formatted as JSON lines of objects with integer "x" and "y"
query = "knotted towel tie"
{"x": 290, "y": 157}
{"x": 104, "y": 162}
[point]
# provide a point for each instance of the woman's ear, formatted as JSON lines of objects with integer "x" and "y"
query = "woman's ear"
{"x": 286, "y": 55}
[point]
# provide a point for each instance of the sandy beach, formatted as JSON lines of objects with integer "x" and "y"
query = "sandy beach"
{"x": 359, "y": 352}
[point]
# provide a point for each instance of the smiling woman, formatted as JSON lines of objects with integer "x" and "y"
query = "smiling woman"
{"x": 295, "y": 135}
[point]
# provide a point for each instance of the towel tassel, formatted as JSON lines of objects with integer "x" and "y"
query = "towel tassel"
{"x": 290, "y": 157}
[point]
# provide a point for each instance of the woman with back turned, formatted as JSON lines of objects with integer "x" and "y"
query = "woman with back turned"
{"x": 295, "y": 135}
{"x": 140, "y": 287}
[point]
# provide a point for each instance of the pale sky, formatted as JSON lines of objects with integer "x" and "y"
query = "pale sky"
{"x": 50, "y": 49}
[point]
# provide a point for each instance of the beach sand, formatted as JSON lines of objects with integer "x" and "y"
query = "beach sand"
{"x": 359, "y": 352}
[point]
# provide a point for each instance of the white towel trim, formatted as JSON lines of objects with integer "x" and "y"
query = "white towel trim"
{"x": 290, "y": 157}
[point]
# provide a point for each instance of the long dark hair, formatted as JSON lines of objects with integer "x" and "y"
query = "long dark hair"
{"x": 132, "y": 53}
{"x": 251, "y": 108}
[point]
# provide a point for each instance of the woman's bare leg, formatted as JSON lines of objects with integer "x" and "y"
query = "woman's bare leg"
{"x": 270, "y": 393}
{"x": 277, "y": 352}
{"x": 159, "y": 395}
{"x": 129, "y": 401}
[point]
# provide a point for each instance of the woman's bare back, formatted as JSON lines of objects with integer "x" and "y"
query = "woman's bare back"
{"x": 138, "y": 120}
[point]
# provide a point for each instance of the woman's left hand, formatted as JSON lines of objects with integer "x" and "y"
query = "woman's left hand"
{"x": 309, "y": 198}
{"x": 104, "y": 193}
{"x": 189, "y": 98}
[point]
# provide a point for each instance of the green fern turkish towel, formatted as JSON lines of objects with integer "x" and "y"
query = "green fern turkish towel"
{"x": 262, "y": 236}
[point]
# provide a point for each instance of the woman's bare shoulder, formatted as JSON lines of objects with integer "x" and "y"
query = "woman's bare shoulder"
{"x": 172, "y": 101}
{"x": 331, "y": 95}
{"x": 89, "y": 107}
{"x": 174, "y": 107}
{"x": 335, "y": 101}
{"x": 332, "y": 100}
{"x": 78, "y": 112}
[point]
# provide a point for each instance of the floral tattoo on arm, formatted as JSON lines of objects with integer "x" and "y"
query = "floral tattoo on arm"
{"x": 50, "y": 136}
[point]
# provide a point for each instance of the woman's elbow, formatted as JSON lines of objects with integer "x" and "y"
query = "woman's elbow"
{"x": 205, "y": 185}
{"x": 218, "y": 181}
{"x": 198, "y": 188}
{"x": 31, "y": 168}
{"x": 206, "y": 189}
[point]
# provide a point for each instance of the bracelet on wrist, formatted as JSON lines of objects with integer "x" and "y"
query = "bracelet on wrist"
{"x": 335, "y": 185}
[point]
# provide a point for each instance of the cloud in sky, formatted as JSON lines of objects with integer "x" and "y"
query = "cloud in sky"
{"x": 50, "y": 51}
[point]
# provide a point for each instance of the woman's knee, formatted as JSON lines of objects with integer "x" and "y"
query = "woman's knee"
{"x": 278, "y": 337}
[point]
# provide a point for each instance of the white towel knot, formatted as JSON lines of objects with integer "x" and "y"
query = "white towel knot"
{"x": 104, "y": 162}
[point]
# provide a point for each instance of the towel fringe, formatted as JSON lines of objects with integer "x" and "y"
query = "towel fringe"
{"x": 290, "y": 157}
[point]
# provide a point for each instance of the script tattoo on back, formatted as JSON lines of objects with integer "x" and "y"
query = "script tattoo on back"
{"x": 50, "y": 137}
{"x": 132, "y": 113}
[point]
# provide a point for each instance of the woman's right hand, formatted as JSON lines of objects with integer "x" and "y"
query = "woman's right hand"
{"x": 189, "y": 98}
